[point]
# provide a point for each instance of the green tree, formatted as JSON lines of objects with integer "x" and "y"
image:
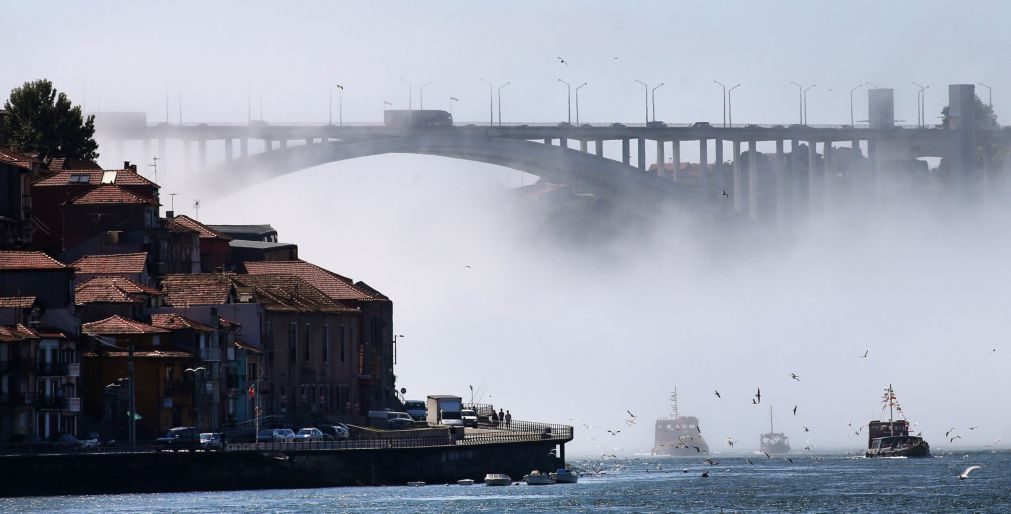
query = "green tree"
{"x": 37, "y": 118}
{"x": 985, "y": 117}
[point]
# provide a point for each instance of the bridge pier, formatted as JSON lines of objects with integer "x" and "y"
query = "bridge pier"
{"x": 795, "y": 180}
{"x": 228, "y": 149}
{"x": 244, "y": 147}
{"x": 625, "y": 154}
{"x": 548, "y": 141}
{"x": 828, "y": 177}
{"x": 781, "y": 191}
{"x": 752, "y": 184}
{"x": 719, "y": 151}
{"x": 201, "y": 154}
{"x": 582, "y": 145}
{"x": 309, "y": 140}
{"x": 704, "y": 164}
{"x": 660, "y": 157}
{"x": 676, "y": 158}
{"x": 641, "y": 154}
{"x": 268, "y": 145}
{"x": 563, "y": 142}
{"x": 284, "y": 144}
{"x": 737, "y": 186}
{"x": 598, "y": 147}
{"x": 812, "y": 175}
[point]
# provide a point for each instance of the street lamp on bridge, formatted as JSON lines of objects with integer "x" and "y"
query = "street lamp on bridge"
{"x": 491, "y": 102}
{"x": 653, "y": 94}
{"x": 410, "y": 93}
{"x": 989, "y": 101}
{"x": 806, "y": 89}
{"x": 568, "y": 97}
{"x": 500, "y": 102}
{"x": 421, "y": 95}
{"x": 646, "y": 96}
{"x": 577, "y": 101}
{"x": 802, "y": 101}
{"x": 920, "y": 95}
{"x": 852, "y": 119}
{"x": 724, "y": 98}
{"x": 452, "y": 100}
{"x": 730, "y": 103}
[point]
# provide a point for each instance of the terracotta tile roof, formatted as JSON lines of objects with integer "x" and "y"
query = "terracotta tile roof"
{"x": 369, "y": 290}
{"x": 194, "y": 225}
{"x": 196, "y": 289}
{"x": 112, "y": 289}
{"x": 289, "y": 292}
{"x": 24, "y": 260}
{"x": 16, "y": 159}
{"x": 110, "y": 194}
{"x": 63, "y": 163}
{"x": 16, "y": 302}
{"x": 144, "y": 355}
{"x": 94, "y": 177}
{"x": 172, "y": 321}
{"x": 112, "y": 264}
{"x": 247, "y": 347}
{"x": 16, "y": 333}
{"x": 331, "y": 284}
{"x": 117, "y": 325}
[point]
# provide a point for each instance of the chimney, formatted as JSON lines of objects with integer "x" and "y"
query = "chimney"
{"x": 170, "y": 214}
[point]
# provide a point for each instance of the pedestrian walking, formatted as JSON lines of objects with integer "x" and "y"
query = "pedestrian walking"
{"x": 508, "y": 418}
{"x": 501, "y": 416}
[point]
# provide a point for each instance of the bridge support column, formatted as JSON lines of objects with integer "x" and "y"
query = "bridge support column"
{"x": 660, "y": 157}
{"x": 719, "y": 152}
{"x": 738, "y": 178}
{"x": 309, "y": 140}
{"x": 625, "y": 154}
{"x": 812, "y": 174}
{"x": 641, "y": 154}
{"x": 676, "y": 158}
{"x": 268, "y": 145}
{"x": 548, "y": 141}
{"x": 582, "y": 145}
{"x": 284, "y": 144}
{"x": 244, "y": 147}
{"x": 563, "y": 142}
{"x": 598, "y": 148}
{"x": 186, "y": 154}
{"x": 781, "y": 191}
{"x": 828, "y": 176}
{"x": 796, "y": 178}
{"x": 228, "y": 149}
{"x": 704, "y": 165}
{"x": 753, "y": 180}
{"x": 201, "y": 154}
{"x": 987, "y": 156}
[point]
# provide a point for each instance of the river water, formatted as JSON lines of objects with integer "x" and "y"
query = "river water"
{"x": 825, "y": 483}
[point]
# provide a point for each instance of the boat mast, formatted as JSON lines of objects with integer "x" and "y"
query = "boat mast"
{"x": 891, "y": 402}
{"x": 771, "y": 430}
{"x": 674, "y": 401}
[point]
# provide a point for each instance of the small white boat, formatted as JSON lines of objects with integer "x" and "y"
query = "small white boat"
{"x": 537, "y": 478}
{"x": 465, "y": 481}
{"x": 565, "y": 476}
{"x": 415, "y": 484}
{"x": 497, "y": 479}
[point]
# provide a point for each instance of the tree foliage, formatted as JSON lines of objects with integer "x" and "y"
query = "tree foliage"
{"x": 985, "y": 117}
{"x": 38, "y": 118}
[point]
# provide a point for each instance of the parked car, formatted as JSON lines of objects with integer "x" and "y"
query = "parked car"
{"x": 655, "y": 124}
{"x": 337, "y": 432}
{"x": 310, "y": 434}
{"x": 90, "y": 440}
{"x": 469, "y": 418}
{"x": 212, "y": 441}
{"x": 61, "y": 441}
{"x": 179, "y": 438}
{"x": 400, "y": 423}
{"x": 275, "y": 434}
{"x": 416, "y": 409}
{"x": 564, "y": 124}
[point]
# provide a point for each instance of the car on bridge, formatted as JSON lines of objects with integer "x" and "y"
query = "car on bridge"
{"x": 655, "y": 124}
{"x": 617, "y": 124}
{"x": 702, "y": 124}
{"x": 564, "y": 124}
{"x": 179, "y": 438}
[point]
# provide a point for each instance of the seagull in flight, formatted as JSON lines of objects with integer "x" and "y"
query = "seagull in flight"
{"x": 794, "y": 410}
{"x": 614, "y": 432}
{"x": 806, "y": 429}
{"x": 749, "y": 462}
{"x": 950, "y": 430}
{"x": 194, "y": 370}
{"x": 725, "y": 194}
{"x": 795, "y": 377}
{"x": 340, "y": 87}
{"x": 970, "y": 469}
{"x": 952, "y": 440}
{"x": 730, "y": 442}
{"x": 994, "y": 350}
{"x": 562, "y": 61}
{"x": 758, "y": 396}
{"x": 767, "y": 456}
{"x": 717, "y": 392}
{"x": 973, "y": 428}
{"x": 864, "y": 356}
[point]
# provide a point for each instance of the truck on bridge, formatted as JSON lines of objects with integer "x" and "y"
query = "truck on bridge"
{"x": 398, "y": 118}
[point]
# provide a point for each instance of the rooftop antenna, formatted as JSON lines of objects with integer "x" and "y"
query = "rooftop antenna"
{"x": 196, "y": 209}
{"x": 155, "y": 166}
{"x": 172, "y": 202}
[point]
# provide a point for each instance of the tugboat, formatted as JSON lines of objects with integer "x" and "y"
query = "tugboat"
{"x": 678, "y": 436}
{"x": 891, "y": 438}
{"x": 773, "y": 442}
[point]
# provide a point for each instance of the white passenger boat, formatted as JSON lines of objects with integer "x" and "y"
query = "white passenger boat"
{"x": 465, "y": 481}
{"x": 497, "y": 479}
{"x": 415, "y": 484}
{"x": 565, "y": 476}
{"x": 537, "y": 478}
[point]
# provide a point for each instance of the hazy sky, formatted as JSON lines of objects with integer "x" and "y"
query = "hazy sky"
{"x": 581, "y": 334}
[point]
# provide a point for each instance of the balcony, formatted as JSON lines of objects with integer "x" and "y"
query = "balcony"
{"x": 210, "y": 354}
{"x": 50, "y": 369}
{"x": 51, "y": 402}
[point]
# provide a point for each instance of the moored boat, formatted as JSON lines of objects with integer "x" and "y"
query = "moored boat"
{"x": 678, "y": 435}
{"x": 565, "y": 476}
{"x": 891, "y": 438}
{"x": 415, "y": 484}
{"x": 773, "y": 442}
{"x": 497, "y": 479}
{"x": 465, "y": 481}
{"x": 537, "y": 478}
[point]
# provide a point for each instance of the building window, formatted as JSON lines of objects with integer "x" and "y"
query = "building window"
{"x": 326, "y": 342}
{"x": 292, "y": 340}
{"x": 308, "y": 341}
